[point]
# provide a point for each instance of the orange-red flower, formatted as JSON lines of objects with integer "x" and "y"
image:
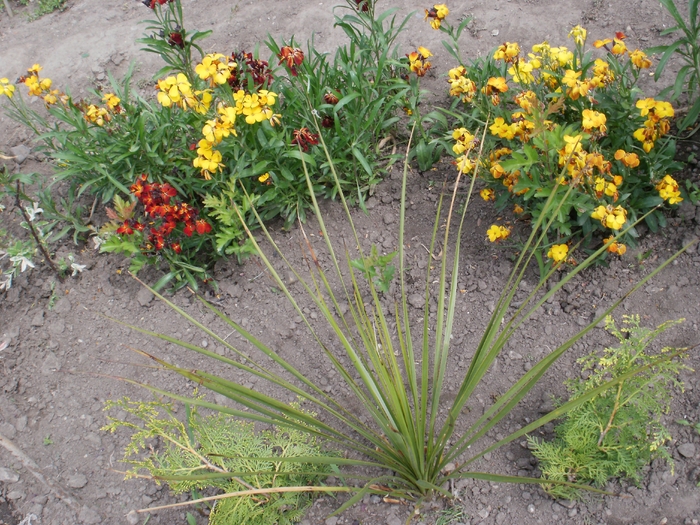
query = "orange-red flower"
{"x": 304, "y": 138}
{"x": 293, "y": 58}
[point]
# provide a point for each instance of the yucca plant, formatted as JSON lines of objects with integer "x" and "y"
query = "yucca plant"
{"x": 395, "y": 369}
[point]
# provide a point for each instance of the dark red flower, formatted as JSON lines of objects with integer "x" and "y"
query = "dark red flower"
{"x": 304, "y": 138}
{"x": 362, "y": 5}
{"x": 327, "y": 121}
{"x": 292, "y": 56}
{"x": 175, "y": 39}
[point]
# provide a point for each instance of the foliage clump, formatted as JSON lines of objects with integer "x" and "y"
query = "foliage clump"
{"x": 618, "y": 432}
{"x": 219, "y": 444}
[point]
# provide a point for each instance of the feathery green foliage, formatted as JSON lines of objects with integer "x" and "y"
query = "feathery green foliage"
{"x": 619, "y": 431}
{"x": 229, "y": 449}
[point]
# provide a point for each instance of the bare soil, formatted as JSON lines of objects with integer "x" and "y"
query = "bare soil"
{"x": 60, "y": 356}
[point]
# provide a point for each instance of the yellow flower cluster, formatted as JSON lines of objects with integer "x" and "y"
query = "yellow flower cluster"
{"x": 668, "y": 190}
{"x": 508, "y": 179}
{"x": 208, "y": 159}
{"x": 177, "y": 90}
{"x": 256, "y": 107}
{"x": 41, "y": 87}
{"x": 657, "y": 124}
{"x": 508, "y": 52}
{"x": 460, "y": 84}
{"x": 216, "y": 68}
{"x": 497, "y": 233}
{"x": 590, "y": 168}
{"x": 552, "y": 58}
{"x": 6, "y": 88}
{"x": 558, "y": 252}
{"x": 520, "y": 127}
{"x": 593, "y": 120}
{"x": 578, "y": 33}
{"x": 464, "y": 143}
{"x": 613, "y": 218}
{"x": 100, "y": 115}
{"x": 97, "y": 115}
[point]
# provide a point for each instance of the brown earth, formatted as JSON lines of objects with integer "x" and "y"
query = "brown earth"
{"x": 59, "y": 354}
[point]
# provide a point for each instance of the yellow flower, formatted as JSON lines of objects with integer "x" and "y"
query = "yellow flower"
{"x": 521, "y": 71}
{"x": 593, "y": 119}
{"x": 619, "y": 46}
{"x": 518, "y": 209}
{"x": 663, "y": 109}
{"x": 577, "y": 88}
{"x": 631, "y": 160}
{"x": 464, "y": 164}
{"x": 264, "y": 178}
{"x": 255, "y": 106}
{"x": 96, "y": 115}
{"x": 640, "y": 59}
{"x": 601, "y": 73}
{"x": 558, "y": 252}
{"x": 602, "y": 186}
{"x": 51, "y": 97}
{"x": 615, "y": 247}
{"x": 501, "y": 129}
{"x": 424, "y": 51}
{"x": 437, "y": 14}
{"x": 6, "y": 88}
{"x": 208, "y": 160}
{"x": 487, "y": 194}
{"x": 497, "y": 171}
{"x": 214, "y": 68}
{"x": 418, "y": 62}
{"x": 578, "y": 33}
{"x": 173, "y": 90}
{"x": 526, "y": 100}
{"x": 111, "y": 100}
{"x": 464, "y": 141}
{"x": 460, "y": 85}
{"x": 497, "y": 233}
{"x": 613, "y": 218}
{"x": 571, "y": 147}
{"x": 34, "y": 69}
{"x": 668, "y": 190}
{"x": 441, "y": 10}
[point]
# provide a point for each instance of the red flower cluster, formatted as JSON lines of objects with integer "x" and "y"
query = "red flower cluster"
{"x": 152, "y": 3}
{"x": 304, "y": 138}
{"x": 259, "y": 71}
{"x": 292, "y": 56}
{"x": 167, "y": 214}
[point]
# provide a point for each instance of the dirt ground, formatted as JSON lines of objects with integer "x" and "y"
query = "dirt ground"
{"x": 59, "y": 355}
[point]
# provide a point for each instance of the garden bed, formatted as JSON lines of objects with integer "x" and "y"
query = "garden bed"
{"x": 61, "y": 356}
